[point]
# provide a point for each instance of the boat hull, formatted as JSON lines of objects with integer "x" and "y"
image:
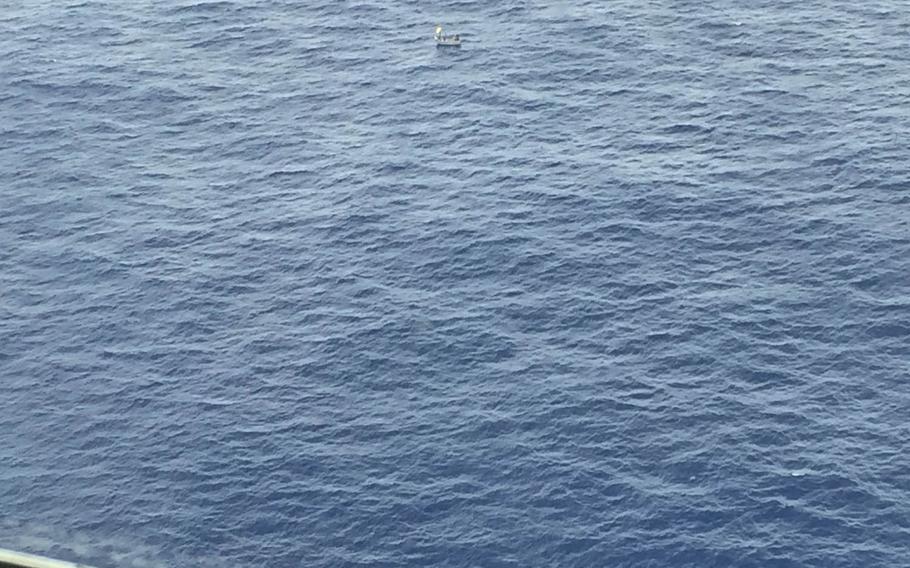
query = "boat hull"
{"x": 12, "y": 559}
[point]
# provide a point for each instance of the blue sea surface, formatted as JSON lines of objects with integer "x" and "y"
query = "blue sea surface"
{"x": 617, "y": 283}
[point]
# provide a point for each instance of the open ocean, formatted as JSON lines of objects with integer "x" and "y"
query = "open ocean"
{"x": 616, "y": 284}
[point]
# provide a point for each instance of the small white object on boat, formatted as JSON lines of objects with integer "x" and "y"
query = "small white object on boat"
{"x": 443, "y": 40}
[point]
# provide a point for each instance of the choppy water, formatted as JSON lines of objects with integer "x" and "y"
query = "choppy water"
{"x": 616, "y": 284}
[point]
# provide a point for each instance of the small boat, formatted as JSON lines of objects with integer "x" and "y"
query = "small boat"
{"x": 443, "y": 40}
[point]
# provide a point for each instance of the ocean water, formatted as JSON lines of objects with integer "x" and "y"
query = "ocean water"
{"x": 618, "y": 283}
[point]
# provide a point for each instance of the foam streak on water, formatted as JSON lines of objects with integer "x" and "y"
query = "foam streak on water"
{"x": 615, "y": 284}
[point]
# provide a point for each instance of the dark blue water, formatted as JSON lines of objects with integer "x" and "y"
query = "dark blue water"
{"x": 615, "y": 284}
